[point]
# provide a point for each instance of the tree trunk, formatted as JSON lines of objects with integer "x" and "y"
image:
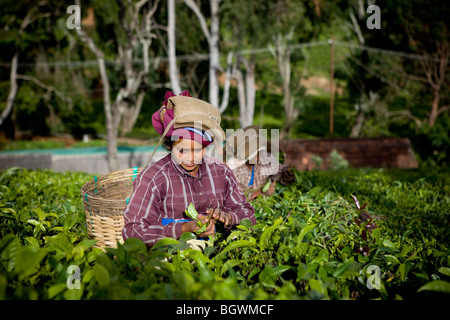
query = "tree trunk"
{"x": 126, "y": 100}
{"x": 240, "y": 87}
{"x": 112, "y": 131}
{"x": 282, "y": 54}
{"x": 111, "y": 128}
{"x": 173, "y": 70}
{"x": 13, "y": 75}
{"x": 250, "y": 92}
{"x": 356, "y": 129}
{"x": 214, "y": 53}
{"x": 139, "y": 36}
{"x": 245, "y": 90}
{"x": 226, "y": 87}
{"x": 434, "y": 108}
{"x": 13, "y": 89}
{"x": 212, "y": 36}
{"x": 131, "y": 113}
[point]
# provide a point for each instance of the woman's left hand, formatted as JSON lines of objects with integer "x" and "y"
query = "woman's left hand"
{"x": 210, "y": 229}
{"x": 219, "y": 215}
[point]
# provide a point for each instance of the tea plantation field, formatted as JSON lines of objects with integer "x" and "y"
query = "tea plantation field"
{"x": 353, "y": 234}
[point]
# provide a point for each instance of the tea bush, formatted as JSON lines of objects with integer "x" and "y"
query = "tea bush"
{"x": 344, "y": 234}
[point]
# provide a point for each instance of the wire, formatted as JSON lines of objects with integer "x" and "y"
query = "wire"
{"x": 199, "y": 57}
{"x": 389, "y": 52}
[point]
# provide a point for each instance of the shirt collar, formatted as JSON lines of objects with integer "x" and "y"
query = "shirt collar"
{"x": 200, "y": 173}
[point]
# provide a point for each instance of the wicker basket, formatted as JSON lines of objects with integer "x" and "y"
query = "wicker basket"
{"x": 105, "y": 198}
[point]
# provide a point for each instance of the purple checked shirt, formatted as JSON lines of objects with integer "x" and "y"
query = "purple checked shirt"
{"x": 164, "y": 191}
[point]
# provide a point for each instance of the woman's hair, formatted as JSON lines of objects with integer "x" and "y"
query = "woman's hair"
{"x": 168, "y": 143}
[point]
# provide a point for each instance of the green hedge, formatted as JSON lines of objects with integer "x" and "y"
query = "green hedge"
{"x": 311, "y": 242}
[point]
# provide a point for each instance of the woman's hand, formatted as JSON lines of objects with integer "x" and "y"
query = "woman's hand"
{"x": 191, "y": 226}
{"x": 271, "y": 189}
{"x": 222, "y": 216}
{"x": 259, "y": 192}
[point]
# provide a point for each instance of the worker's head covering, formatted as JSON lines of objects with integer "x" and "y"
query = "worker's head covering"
{"x": 162, "y": 119}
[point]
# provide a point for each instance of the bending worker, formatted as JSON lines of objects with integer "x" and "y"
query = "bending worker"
{"x": 249, "y": 154}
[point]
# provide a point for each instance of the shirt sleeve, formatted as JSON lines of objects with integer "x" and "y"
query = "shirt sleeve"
{"x": 143, "y": 214}
{"x": 235, "y": 201}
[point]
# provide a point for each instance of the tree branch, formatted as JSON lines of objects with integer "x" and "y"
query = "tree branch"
{"x": 191, "y": 4}
{"x": 47, "y": 87}
{"x": 102, "y": 68}
{"x": 405, "y": 113}
{"x": 442, "y": 109}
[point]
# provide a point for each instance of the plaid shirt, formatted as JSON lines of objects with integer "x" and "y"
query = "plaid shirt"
{"x": 267, "y": 167}
{"x": 164, "y": 191}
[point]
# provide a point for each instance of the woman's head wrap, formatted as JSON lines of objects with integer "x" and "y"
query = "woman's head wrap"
{"x": 162, "y": 118}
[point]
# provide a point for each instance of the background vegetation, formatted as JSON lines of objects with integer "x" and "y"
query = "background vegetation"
{"x": 387, "y": 79}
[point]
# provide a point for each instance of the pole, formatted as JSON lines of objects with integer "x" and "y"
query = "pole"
{"x": 330, "y": 41}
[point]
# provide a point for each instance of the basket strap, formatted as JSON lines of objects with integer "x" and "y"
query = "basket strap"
{"x": 153, "y": 153}
{"x": 161, "y": 139}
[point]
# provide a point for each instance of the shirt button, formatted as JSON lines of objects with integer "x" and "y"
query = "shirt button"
{"x": 200, "y": 194}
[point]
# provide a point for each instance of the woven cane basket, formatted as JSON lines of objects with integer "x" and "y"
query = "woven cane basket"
{"x": 105, "y": 198}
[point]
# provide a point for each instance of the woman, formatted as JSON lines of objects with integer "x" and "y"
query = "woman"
{"x": 164, "y": 190}
{"x": 250, "y": 157}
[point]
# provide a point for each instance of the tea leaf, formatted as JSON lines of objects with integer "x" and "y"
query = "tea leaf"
{"x": 444, "y": 270}
{"x": 304, "y": 232}
{"x": 101, "y": 275}
{"x": 266, "y": 186}
{"x": 191, "y": 212}
{"x": 28, "y": 261}
{"x": 263, "y": 240}
{"x": 269, "y": 275}
{"x": 237, "y": 244}
{"x": 436, "y": 285}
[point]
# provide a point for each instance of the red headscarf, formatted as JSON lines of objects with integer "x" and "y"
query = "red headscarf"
{"x": 162, "y": 118}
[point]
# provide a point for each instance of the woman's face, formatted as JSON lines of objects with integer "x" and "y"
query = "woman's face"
{"x": 188, "y": 154}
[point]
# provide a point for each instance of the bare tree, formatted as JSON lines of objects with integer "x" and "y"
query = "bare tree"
{"x": 136, "y": 21}
{"x": 282, "y": 54}
{"x": 290, "y": 24}
{"x": 13, "y": 73}
{"x": 363, "y": 105}
{"x": 433, "y": 72}
{"x": 212, "y": 37}
{"x": 173, "y": 69}
{"x": 245, "y": 82}
{"x": 424, "y": 32}
{"x": 35, "y": 12}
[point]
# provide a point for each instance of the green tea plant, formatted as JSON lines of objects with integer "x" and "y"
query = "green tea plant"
{"x": 344, "y": 234}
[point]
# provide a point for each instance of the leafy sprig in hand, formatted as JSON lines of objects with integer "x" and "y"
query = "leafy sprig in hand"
{"x": 192, "y": 213}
